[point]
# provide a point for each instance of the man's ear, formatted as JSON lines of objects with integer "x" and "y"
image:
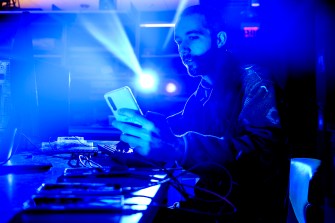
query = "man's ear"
{"x": 221, "y": 39}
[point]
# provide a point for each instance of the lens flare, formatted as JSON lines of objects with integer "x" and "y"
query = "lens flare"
{"x": 171, "y": 88}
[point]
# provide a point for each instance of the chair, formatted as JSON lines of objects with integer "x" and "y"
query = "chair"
{"x": 301, "y": 173}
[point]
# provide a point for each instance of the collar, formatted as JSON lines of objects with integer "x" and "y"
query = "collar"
{"x": 204, "y": 92}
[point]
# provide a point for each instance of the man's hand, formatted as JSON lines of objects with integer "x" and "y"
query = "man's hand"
{"x": 152, "y": 139}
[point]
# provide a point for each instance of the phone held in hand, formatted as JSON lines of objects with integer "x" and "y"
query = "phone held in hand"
{"x": 122, "y": 98}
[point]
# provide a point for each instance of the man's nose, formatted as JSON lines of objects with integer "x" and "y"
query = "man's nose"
{"x": 184, "y": 49}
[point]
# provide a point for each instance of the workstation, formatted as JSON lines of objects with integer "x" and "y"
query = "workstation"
{"x": 80, "y": 186}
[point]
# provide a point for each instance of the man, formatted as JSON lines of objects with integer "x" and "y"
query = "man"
{"x": 229, "y": 132}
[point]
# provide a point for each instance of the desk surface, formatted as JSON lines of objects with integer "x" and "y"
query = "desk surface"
{"x": 25, "y": 173}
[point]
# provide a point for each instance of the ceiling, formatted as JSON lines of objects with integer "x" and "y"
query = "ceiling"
{"x": 153, "y": 5}
{"x": 122, "y": 5}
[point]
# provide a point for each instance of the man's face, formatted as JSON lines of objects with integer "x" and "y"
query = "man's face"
{"x": 194, "y": 45}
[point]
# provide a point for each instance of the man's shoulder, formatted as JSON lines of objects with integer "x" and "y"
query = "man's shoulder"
{"x": 254, "y": 75}
{"x": 254, "y": 71}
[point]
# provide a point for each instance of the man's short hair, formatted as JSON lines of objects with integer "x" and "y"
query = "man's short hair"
{"x": 214, "y": 19}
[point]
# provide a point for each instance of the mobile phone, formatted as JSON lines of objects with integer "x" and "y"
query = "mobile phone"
{"x": 122, "y": 98}
{"x": 79, "y": 189}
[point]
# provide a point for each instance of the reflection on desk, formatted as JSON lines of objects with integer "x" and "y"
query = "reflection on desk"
{"x": 118, "y": 208}
{"x": 140, "y": 197}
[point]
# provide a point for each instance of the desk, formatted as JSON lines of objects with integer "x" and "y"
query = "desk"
{"x": 25, "y": 173}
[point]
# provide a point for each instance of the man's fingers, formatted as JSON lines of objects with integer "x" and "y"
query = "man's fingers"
{"x": 129, "y": 129}
{"x": 141, "y": 145}
{"x": 134, "y": 117}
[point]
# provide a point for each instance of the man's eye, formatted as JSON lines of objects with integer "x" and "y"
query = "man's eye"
{"x": 193, "y": 37}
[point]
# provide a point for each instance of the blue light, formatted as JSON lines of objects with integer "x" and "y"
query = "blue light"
{"x": 171, "y": 88}
{"x": 115, "y": 39}
{"x": 255, "y": 3}
{"x": 148, "y": 82}
{"x": 157, "y": 25}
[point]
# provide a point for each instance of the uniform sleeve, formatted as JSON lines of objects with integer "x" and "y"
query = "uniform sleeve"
{"x": 258, "y": 133}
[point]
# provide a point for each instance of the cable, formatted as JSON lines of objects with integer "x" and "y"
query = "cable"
{"x": 222, "y": 198}
{"x": 137, "y": 157}
{"x": 84, "y": 159}
{"x": 16, "y": 131}
{"x": 206, "y": 164}
{"x": 161, "y": 166}
{"x": 176, "y": 184}
{"x": 28, "y": 139}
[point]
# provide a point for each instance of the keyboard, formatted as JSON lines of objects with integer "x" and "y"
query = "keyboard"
{"x": 113, "y": 149}
{"x": 122, "y": 154}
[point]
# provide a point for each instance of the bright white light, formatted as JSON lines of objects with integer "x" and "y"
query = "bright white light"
{"x": 255, "y": 3}
{"x": 157, "y": 25}
{"x": 147, "y": 192}
{"x": 148, "y": 81}
{"x": 171, "y": 88}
